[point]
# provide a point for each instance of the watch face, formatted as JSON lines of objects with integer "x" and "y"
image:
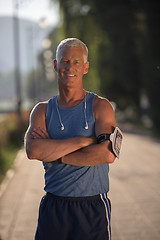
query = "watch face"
{"x": 117, "y": 141}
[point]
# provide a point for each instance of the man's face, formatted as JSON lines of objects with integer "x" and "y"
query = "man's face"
{"x": 70, "y": 66}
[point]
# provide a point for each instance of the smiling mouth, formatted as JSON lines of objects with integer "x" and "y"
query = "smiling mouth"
{"x": 70, "y": 75}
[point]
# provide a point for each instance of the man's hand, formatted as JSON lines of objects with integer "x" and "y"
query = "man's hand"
{"x": 39, "y": 133}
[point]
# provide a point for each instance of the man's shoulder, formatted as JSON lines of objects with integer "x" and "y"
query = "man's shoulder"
{"x": 104, "y": 112}
{"x": 40, "y": 107}
{"x": 102, "y": 102}
{"x": 102, "y": 106}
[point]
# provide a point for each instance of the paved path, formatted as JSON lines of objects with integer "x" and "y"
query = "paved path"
{"x": 135, "y": 194}
{"x": 20, "y": 201}
{"x": 135, "y": 190}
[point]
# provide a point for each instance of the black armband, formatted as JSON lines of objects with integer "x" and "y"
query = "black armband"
{"x": 115, "y": 138}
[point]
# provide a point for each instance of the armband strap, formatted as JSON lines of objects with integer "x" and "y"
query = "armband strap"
{"x": 103, "y": 137}
{"x": 115, "y": 138}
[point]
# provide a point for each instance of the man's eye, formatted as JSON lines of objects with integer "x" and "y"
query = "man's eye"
{"x": 64, "y": 61}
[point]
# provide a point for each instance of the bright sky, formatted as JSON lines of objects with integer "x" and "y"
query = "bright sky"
{"x": 32, "y": 10}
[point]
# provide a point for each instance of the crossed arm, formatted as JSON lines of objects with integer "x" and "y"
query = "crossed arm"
{"x": 40, "y": 146}
{"x": 79, "y": 151}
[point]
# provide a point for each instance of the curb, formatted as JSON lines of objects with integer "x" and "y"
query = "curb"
{"x": 11, "y": 172}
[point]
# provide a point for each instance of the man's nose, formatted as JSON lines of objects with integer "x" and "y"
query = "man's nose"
{"x": 69, "y": 65}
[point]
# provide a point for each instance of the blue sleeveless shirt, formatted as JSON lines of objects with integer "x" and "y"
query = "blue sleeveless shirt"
{"x": 69, "y": 180}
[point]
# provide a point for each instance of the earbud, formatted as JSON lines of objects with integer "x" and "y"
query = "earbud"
{"x": 62, "y": 127}
{"x": 85, "y": 107}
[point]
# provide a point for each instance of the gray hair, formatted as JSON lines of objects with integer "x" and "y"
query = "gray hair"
{"x": 72, "y": 42}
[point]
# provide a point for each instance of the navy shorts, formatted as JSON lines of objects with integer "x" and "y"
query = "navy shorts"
{"x": 74, "y": 218}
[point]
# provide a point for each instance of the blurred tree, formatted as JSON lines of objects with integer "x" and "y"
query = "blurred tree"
{"x": 119, "y": 67}
{"x": 38, "y": 87}
{"x": 152, "y": 56}
{"x": 123, "y": 41}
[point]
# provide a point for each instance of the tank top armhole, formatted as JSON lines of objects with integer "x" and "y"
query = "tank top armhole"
{"x": 91, "y": 100}
{"x": 49, "y": 109}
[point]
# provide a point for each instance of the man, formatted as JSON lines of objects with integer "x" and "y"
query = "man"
{"x": 63, "y": 134}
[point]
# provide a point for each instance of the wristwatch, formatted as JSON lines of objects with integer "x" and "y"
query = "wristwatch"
{"x": 115, "y": 138}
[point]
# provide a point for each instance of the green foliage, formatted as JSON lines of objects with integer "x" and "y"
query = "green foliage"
{"x": 12, "y": 130}
{"x": 152, "y": 60}
{"x": 7, "y": 156}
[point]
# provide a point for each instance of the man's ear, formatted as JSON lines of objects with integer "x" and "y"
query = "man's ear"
{"x": 86, "y": 67}
{"x": 55, "y": 64}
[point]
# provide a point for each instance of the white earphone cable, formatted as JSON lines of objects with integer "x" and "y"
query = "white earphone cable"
{"x": 85, "y": 116}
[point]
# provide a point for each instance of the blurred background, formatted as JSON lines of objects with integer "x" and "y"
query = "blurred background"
{"x": 123, "y": 38}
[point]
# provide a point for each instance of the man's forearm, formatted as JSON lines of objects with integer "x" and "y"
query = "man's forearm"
{"x": 90, "y": 156}
{"x": 50, "y": 150}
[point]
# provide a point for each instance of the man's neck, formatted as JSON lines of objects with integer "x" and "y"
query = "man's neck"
{"x": 70, "y": 98}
